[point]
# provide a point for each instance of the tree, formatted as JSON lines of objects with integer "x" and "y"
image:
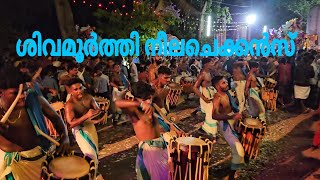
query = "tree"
{"x": 65, "y": 19}
{"x": 144, "y": 19}
{"x": 300, "y": 7}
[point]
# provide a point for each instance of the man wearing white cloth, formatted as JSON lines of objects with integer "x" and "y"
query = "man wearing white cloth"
{"x": 206, "y": 94}
{"x": 303, "y": 73}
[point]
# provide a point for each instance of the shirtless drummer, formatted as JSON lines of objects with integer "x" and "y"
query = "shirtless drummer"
{"x": 252, "y": 91}
{"x": 23, "y": 148}
{"x": 152, "y": 159}
{"x": 222, "y": 112}
{"x": 206, "y": 94}
{"x": 79, "y": 109}
{"x": 163, "y": 79}
{"x": 240, "y": 82}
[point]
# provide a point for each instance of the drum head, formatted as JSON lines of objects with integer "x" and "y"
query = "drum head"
{"x": 121, "y": 88}
{"x": 251, "y": 122}
{"x": 69, "y": 167}
{"x": 100, "y": 99}
{"x": 271, "y": 80}
{"x": 189, "y": 79}
{"x": 174, "y": 86}
{"x": 191, "y": 141}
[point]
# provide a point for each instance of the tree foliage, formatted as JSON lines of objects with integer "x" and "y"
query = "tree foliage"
{"x": 142, "y": 19}
{"x": 299, "y": 7}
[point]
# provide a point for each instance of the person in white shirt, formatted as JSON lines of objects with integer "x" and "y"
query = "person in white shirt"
{"x": 133, "y": 71}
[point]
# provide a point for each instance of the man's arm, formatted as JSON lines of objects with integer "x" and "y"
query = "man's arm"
{"x": 8, "y": 146}
{"x": 196, "y": 88}
{"x": 70, "y": 116}
{"x": 152, "y": 74}
{"x": 248, "y": 82}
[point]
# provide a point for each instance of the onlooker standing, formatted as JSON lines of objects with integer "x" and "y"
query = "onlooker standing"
{"x": 133, "y": 71}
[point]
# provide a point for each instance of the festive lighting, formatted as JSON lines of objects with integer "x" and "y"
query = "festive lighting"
{"x": 100, "y": 5}
{"x": 209, "y": 26}
{"x": 251, "y": 19}
{"x": 265, "y": 29}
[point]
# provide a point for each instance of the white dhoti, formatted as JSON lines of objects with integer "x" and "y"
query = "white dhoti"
{"x": 301, "y": 92}
{"x": 240, "y": 88}
{"x": 210, "y": 125}
{"x": 25, "y": 165}
{"x": 118, "y": 95}
{"x": 87, "y": 139}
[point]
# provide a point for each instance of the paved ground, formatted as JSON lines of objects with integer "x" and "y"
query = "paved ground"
{"x": 118, "y": 146}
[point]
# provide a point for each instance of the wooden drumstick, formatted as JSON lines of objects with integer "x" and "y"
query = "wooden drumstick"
{"x": 46, "y": 136}
{"x": 37, "y": 74}
{"x": 13, "y": 105}
{"x": 165, "y": 117}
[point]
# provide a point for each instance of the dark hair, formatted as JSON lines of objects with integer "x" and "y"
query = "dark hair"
{"x": 205, "y": 61}
{"x": 73, "y": 81}
{"x": 215, "y": 80}
{"x": 71, "y": 66}
{"x": 253, "y": 65}
{"x": 164, "y": 70}
{"x": 264, "y": 59}
{"x": 142, "y": 90}
{"x": 283, "y": 60}
{"x": 11, "y": 77}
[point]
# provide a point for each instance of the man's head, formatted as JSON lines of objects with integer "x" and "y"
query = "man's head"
{"x": 254, "y": 66}
{"x": 97, "y": 72}
{"x": 130, "y": 59}
{"x": 72, "y": 69}
{"x": 9, "y": 86}
{"x": 75, "y": 87}
{"x": 142, "y": 91}
{"x": 164, "y": 75}
{"x": 116, "y": 68}
{"x": 110, "y": 62}
{"x": 157, "y": 60}
{"x": 271, "y": 59}
{"x": 208, "y": 63}
{"x": 220, "y": 83}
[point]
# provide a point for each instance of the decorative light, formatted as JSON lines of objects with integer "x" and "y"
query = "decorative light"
{"x": 251, "y": 19}
{"x": 209, "y": 26}
{"x": 265, "y": 29}
{"x": 100, "y": 5}
{"x": 83, "y": 2}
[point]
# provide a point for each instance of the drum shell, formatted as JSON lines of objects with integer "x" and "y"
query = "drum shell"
{"x": 46, "y": 173}
{"x": 184, "y": 161}
{"x": 250, "y": 138}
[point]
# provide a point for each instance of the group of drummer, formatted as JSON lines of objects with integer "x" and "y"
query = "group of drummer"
{"x": 24, "y": 149}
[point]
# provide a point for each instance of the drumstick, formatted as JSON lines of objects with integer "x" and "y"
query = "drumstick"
{"x": 13, "y": 105}
{"x": 165, "y": 117}
{"x": 37, "y": 74}
{"x": 46, "y": 136}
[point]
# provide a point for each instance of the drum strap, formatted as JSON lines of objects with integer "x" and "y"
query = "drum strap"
{"x": 164, "y": 125}
{"x": 232, "y": 101}
{"x": 36, "y": 115}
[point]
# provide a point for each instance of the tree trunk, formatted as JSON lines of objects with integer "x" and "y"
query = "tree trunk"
{"x": 65, "y": 19}
{"x": 201, "y": 27}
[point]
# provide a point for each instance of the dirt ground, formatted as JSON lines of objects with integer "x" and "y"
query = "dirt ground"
{"x": 289, "y": 161}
